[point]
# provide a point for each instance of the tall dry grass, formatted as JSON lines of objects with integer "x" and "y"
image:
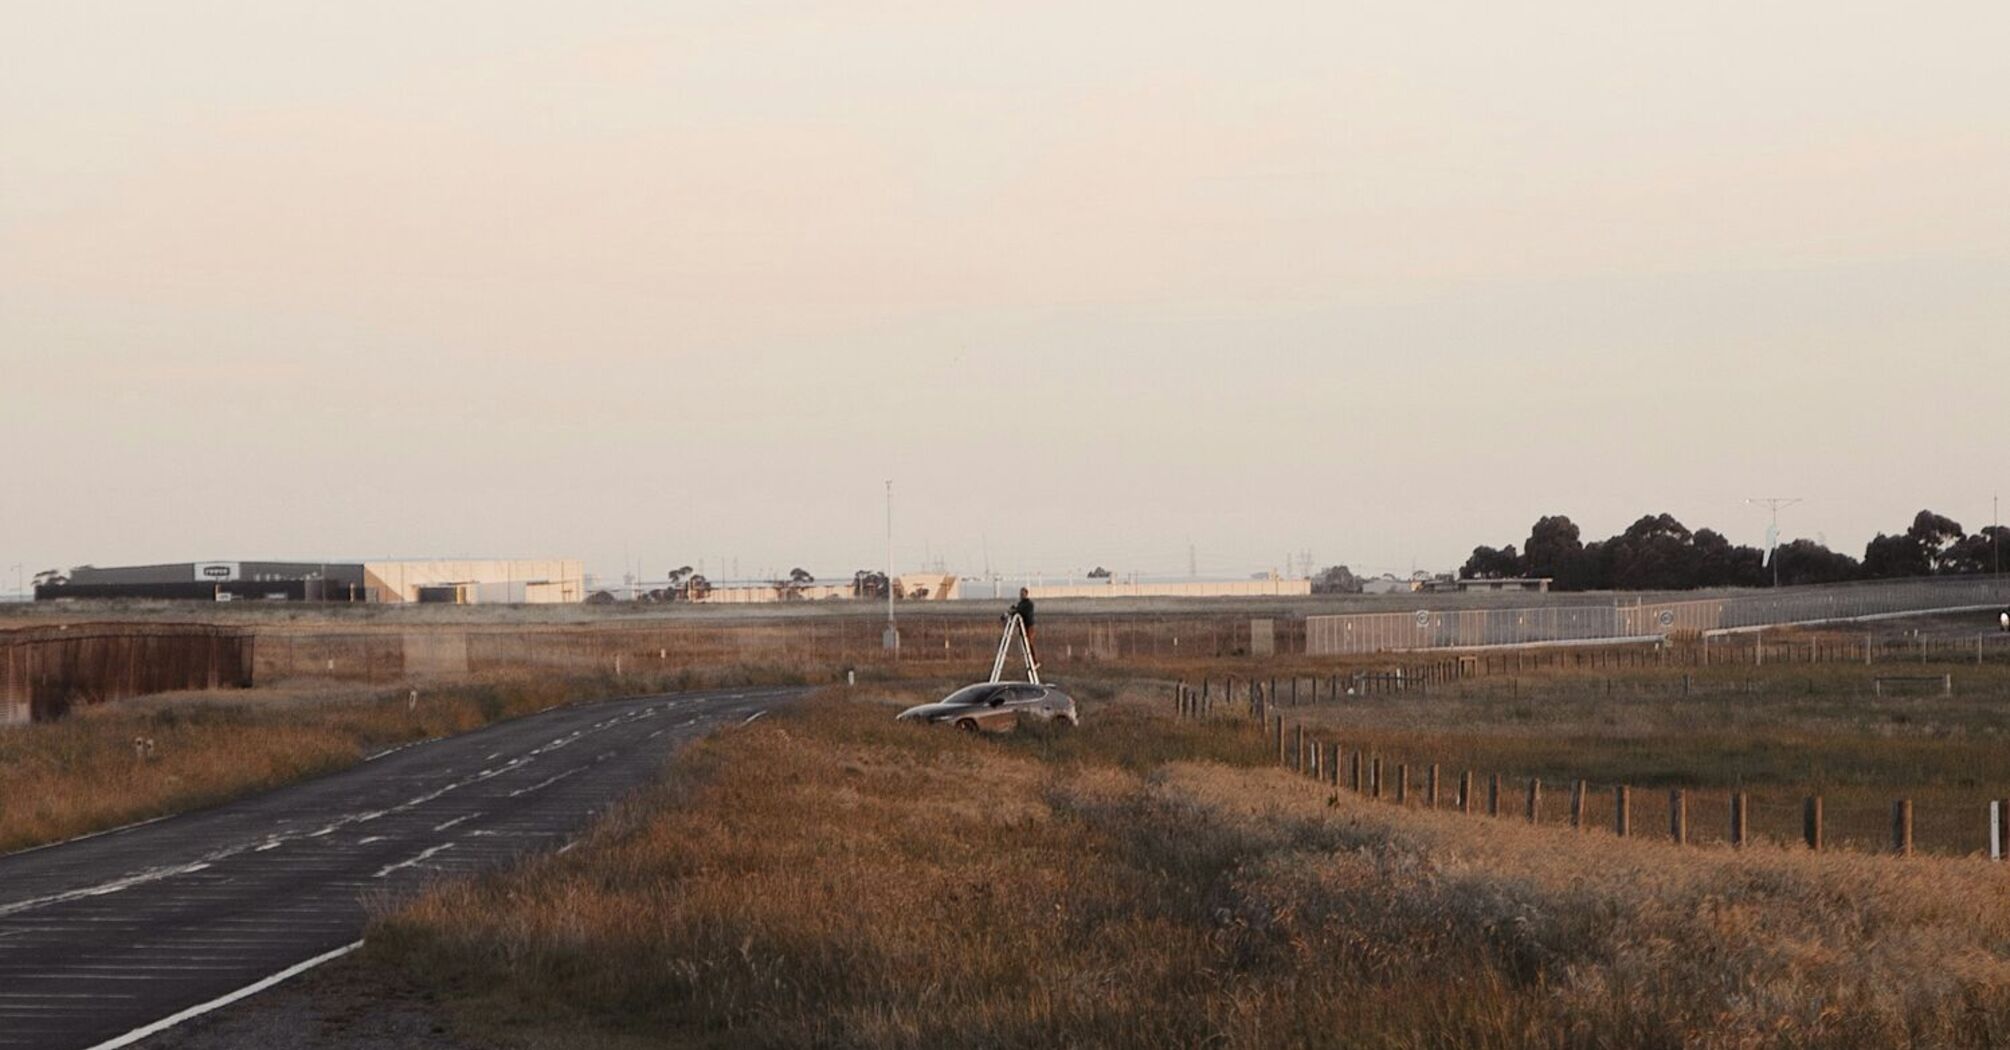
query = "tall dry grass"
{"x": 1779, "y": 742}
{"x": 829, "y": 878}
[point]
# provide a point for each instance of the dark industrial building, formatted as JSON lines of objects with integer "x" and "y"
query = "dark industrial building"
{"x": 216, "y": 581}
{"x": 517, "y": 581}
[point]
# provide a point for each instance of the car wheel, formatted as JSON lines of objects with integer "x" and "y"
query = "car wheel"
{"x": 968, "y": 725}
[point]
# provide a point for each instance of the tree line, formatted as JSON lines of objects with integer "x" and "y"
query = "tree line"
{"x": 1659, "y": 553}
{"x": 684, "y": 584}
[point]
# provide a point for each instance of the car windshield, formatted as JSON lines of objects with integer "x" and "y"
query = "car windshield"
{"x": 970, "y": 694}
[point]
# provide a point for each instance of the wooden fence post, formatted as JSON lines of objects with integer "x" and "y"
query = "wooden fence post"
{"x": 1811, "y": 821}
{"x": 1535, "y": 800}
{"x": 1431, "y": 787}
{"x": 1402, "y": 783}
{"x": 1298, "y": 747}
{"x": 1354, "y": 773}
{"x": 1279, "y": 723}
{"x": 1622, "y": 811}
{"x": 1334, "y": 773}
{"x": 1577, "y": 792}
{"x": 1678, "y": 816}
{"x": 1999, "y": 829}
{"x": 1739, "y": 812}
{"x": 1466, "y": 791}
{"x": 1494, "y": 795}
{"x": 1375, "y": 777}
{"x": 1901, "y": 827}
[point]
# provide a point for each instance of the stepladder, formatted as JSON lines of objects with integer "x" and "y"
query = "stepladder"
{"x": 1015, "y": 631}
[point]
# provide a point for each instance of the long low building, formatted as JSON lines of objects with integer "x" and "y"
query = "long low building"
{"x": 1266, "y": 588}
{"x": 463, "y": 582}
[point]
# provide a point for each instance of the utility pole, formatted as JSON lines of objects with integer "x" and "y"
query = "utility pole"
{"x": 892, "y": 640}
{"x": 1773, "y": 532}
{"x": 1995, "y": 531}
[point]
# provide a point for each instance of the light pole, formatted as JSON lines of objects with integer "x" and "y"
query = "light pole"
{"x": 1773, "y": 533}
{"x": 892, "y": 640}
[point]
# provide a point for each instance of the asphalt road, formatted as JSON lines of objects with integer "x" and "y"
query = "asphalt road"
{"x": 104, "y": 936}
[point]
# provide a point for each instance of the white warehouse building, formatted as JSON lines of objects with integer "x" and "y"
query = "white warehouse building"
{"x": 501, "y": 582}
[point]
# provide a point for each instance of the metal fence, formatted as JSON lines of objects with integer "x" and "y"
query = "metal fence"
{"x": 44, "y": 671}
{"x": 1472, "y": 628}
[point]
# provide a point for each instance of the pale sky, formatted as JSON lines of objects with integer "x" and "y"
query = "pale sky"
{"x": 656, "y": 282}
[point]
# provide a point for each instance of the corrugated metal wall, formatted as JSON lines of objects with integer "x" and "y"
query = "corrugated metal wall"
{"x": 48, "y": 670}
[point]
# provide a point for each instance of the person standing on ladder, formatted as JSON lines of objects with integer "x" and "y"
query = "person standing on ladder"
{"x": 1023, "y": 609}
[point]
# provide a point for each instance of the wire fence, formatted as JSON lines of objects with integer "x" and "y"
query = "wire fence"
{"x": 825, "y": 645}
{"x": 1958, "y": 819}
{"x": 1477, "y": 628}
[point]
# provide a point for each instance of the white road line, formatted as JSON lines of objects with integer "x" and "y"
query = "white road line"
{"x": 64, "y": 995}
{"x": 102, "y": 888}
{"x": 543, "y": 783}
{"x": 248, "y": 990}
{"x": 420, "y": 859}
{"x": 757, "y": 714}
{"x": 390, "y": 751}
{"x": 456, "y": 820}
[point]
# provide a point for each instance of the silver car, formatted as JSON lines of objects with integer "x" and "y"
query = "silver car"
{"x": 997, "y": 706}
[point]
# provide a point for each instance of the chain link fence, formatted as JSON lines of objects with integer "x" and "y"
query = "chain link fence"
{"x": 1475, "y": 628}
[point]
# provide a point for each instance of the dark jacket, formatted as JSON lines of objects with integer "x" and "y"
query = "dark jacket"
{"x": 1024, "y": 607}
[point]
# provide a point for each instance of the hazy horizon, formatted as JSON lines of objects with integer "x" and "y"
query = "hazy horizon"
{"x": 655, "y": 283}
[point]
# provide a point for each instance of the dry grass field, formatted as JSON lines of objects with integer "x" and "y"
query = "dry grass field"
{"x": 829, "y": 878}
{"x": 1778, "y": 734}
